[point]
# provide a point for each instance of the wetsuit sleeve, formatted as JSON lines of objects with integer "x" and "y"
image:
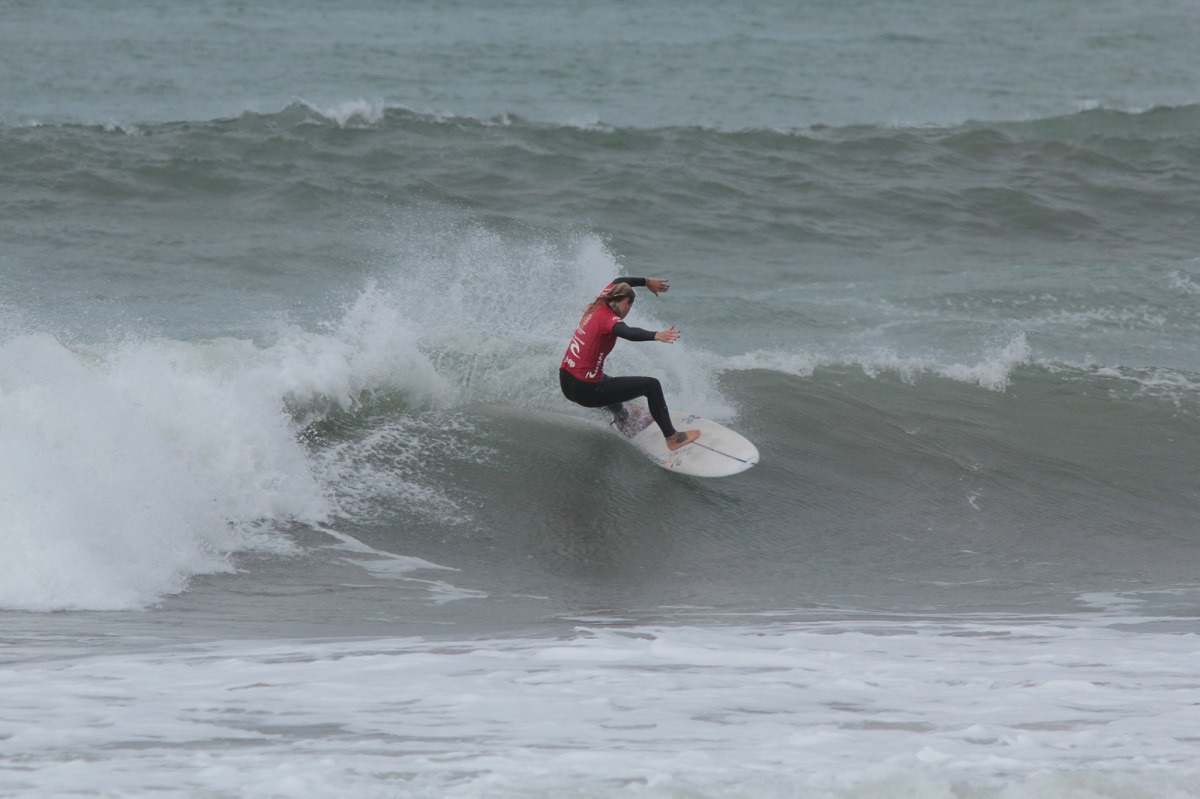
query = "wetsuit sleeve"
{"x": 634, "y": 282}
{"x": 622, "y": 330}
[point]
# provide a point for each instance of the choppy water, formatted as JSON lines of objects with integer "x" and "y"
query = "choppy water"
{"x": 292, "y": 505}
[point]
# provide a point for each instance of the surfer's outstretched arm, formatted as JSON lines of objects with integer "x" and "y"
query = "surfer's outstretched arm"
{"x": 630, "y": 333}
{"x": 657, "y": 285}
{"x": 668, "y": 336}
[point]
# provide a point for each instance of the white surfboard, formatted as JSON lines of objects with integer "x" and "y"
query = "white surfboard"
{"x": 717, "y": 453}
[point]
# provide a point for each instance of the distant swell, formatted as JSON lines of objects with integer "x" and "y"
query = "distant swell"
{"x": 1095, "y": 121}
{"x": 1007, "y": 190}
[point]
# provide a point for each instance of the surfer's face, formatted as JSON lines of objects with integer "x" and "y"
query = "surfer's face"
{"x": 621, "y": 307}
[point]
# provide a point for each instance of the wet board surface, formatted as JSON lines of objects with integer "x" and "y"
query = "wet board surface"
{"x": 718, "y": 452}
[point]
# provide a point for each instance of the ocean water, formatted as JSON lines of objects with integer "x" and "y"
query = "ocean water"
{"x": 291, "y": 506}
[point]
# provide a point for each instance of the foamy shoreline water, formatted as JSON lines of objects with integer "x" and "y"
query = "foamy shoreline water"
{"x": 824, "y": 709}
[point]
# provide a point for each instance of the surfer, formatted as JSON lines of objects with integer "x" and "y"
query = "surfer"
{"x": 581, "y": 374}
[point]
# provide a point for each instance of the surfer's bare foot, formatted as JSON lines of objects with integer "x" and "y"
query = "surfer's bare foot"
{"x": 682, "y": 439}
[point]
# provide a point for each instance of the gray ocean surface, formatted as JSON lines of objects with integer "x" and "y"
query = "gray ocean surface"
{"x": 283, "y": 290}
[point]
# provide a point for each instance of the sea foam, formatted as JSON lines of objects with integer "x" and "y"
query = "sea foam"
{"x": 830, "y": 710}
{"x": 128, "y": 468}
{"x": 124, "y": 473}
{"x": 993, "y": 370}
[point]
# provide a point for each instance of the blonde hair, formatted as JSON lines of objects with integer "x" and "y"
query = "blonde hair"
{"x": 614, "y": 293}
{"x": 617, "y": 291}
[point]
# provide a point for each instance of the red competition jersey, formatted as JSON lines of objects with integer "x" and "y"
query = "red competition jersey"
{"x": 591, "y": 344}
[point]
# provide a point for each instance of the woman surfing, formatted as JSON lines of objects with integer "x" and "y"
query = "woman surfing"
{"x": 581, "y": 374}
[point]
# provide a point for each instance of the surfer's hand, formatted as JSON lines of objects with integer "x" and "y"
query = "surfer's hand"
{"x": 668, "y": 336}
{"x": 657, "y": 285}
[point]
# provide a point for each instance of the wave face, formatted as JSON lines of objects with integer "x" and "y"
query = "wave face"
{"x": 968, "y": 335}
{"x": 132, "y": 465}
